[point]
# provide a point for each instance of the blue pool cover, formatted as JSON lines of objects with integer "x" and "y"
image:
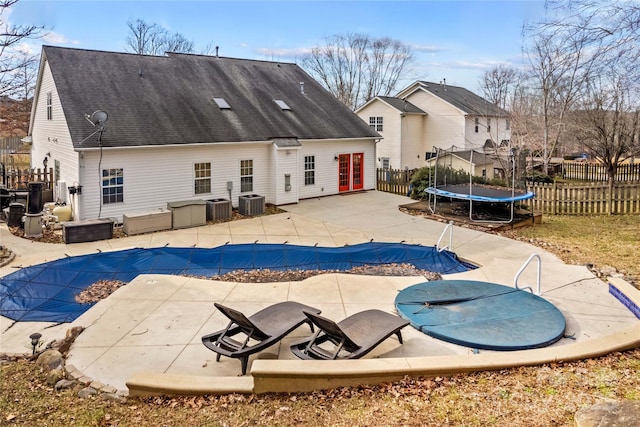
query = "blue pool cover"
{"x": 481, "y": 315}
{"x": 46, "y": 292}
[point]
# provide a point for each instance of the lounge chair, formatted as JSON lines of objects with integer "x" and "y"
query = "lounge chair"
{"x": 351, "y": 338}
{"x": 261, "y": 330}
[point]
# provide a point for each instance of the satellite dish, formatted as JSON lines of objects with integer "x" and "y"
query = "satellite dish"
{"x": 98, "y": 117}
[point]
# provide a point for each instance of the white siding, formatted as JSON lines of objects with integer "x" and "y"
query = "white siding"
{"x": 156, "y": 175}
{"x": 286, "y": 162}
{"x": 327, "y": 167}
{"x": 390, "y": 146}
{"x": 52, "y": 136}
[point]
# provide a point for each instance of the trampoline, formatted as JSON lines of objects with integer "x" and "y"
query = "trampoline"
{"x": 480, "y": 193}
{"x": 448, "y": 179}
{"x": 481, "y": 315}
{"x": 46, "y": 292}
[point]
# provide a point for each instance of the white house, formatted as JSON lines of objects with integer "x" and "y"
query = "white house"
{"x": 427, "y": 115}
{"x": 184, "y": 127}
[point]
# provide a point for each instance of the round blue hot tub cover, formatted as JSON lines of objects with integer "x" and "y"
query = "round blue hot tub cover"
{"x": 481, "y": 315}
{"x": 46, "y": 292}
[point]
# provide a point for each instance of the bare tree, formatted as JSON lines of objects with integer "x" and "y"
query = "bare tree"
{"x": 607, "y": 124}
{"x": 560, "y": 63}
{"x": 580, "y": 41}
{"x": 355, "y": 67}
{"x": 152, "y": 39}
{"x": 498, "y": 85}
{"x": 14, "y": 63}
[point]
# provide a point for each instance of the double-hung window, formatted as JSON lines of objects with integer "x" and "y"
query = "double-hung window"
{"x": 477, "y": 124}
{"x": 202, "y": 178}
{"x": 376, "y": 123}
{"x": 488, "y": 124}
{"x": 246, "y": 176}
{"x": 309, "y": 170}
{"x": 112, "y": 186}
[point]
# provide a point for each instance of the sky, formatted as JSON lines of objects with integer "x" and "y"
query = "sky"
{"x": 452, "y": 40}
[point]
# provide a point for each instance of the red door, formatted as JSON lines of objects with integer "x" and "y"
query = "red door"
{"x": 358, "y": 176}
{"x": 344, "y": 174}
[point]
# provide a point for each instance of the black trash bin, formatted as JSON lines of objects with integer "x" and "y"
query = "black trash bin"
{"x": 35, "y": 198}
{"x": 5, "y": 198}
{"x": 16, "y": 212}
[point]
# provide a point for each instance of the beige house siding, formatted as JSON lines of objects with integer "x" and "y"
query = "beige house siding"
{"x": 390, "y": 144}
{"x": 444, "y": 125}
{"x": 457, "y": 163}
{"x": 477, "y": 140}
{"x": 413, "y": 145}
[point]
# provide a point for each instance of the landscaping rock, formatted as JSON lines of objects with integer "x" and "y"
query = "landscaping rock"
{"x": 54, "y": 376}
{"x": 87, "y": 392}
{"x": 609, "y": 414}
{"x": 113, "y": 397}
{"x": 64, "y": 345}
{"x": 51, "y": 360}
{"x": 64, "y": 384}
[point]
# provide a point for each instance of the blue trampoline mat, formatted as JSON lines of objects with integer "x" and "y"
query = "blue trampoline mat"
{"x": 481, "y": 315}
{"x": 46, "y": 292}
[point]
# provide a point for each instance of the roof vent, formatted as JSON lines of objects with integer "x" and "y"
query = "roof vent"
{"x": 283, "y": 105}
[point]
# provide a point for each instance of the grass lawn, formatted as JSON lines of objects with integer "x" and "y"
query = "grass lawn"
{"x": 599, "y": 240}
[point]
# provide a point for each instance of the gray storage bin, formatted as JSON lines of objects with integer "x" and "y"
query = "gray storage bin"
{"x": 188, "y": 213}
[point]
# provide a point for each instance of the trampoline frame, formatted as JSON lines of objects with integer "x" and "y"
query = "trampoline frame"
{"x": 432, "y": 190}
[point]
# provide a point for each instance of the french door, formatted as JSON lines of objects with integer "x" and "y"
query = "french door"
{"x": 350, "y": 172}
{"x": 344, "y": 172}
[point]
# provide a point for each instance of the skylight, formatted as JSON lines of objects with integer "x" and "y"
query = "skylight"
{"x": 283, "y": 105}
{"x": 222, "y": 103}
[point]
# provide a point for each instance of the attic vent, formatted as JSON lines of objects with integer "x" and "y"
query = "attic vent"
{"x": 283, "y": 105}
{"x": 222, "y": 103}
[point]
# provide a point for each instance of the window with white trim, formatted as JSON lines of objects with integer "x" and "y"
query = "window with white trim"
{"x": 309, "y": 170}
{"x": 246, "y": 176}
{"x": 202, "y": 178}
{"x": 376, "y": 123}
{"x": 112, "y": 186}
{"x": 49, "y": 106}
{"x": 386, "y": 165}
{"x": 488, "y": 124}
{"x": 508, "y": 124}
{"x": 477, "y": 124}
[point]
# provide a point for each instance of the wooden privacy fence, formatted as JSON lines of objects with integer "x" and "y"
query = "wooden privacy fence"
{"x": 585, "y": 199}
{"x": 581, "y": 171}
{"x": 394, "y": 181}
{"x": 20, "y": 178}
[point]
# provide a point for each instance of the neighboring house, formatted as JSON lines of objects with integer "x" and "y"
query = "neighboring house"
{"x": 426, "y": 116}
{"x": 184, "y": 127}
{"x": 469, "y": 161}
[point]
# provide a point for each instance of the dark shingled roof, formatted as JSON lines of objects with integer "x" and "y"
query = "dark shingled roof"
{"x": 161, "y": 100}
{"x": 478, "y": 158}
{"x": 402, "y": 105}
{"x": 464, "y": 99}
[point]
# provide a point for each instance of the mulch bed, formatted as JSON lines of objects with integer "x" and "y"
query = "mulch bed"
{"x": 103, "y": 288}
